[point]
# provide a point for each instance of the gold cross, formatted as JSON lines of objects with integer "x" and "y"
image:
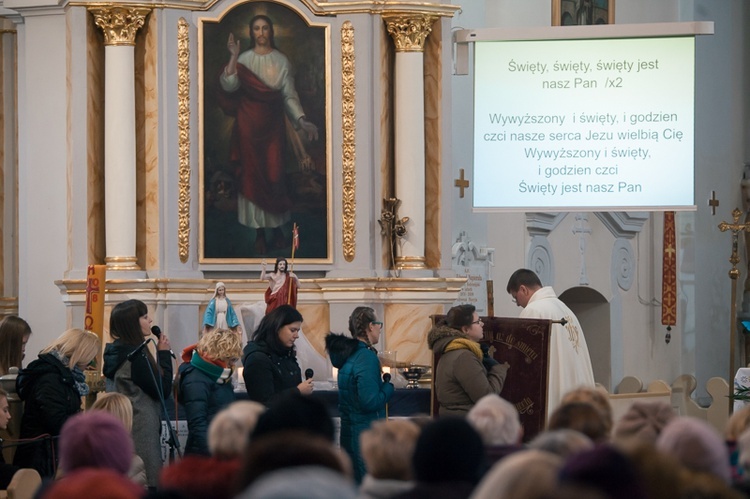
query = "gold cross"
{"x": 461, "y": 182}
{"x": 669, "y": 250}
{"x": 736, "y": 228}
{"x": 713, "y": 202}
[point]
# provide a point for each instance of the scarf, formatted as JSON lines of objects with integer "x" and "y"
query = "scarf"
{"x": 216, "y": 370}
{"x": 78, "y": 377}
{"x": 460, "y": 343}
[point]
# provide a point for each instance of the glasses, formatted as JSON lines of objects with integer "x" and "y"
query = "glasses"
{"x": 478, "y": 321}
{"x": 377, "y": 323}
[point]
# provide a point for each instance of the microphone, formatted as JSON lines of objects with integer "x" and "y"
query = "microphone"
{"x": 156, "y": 331}
{"x": 138, "y": 350}
{"x": 386, "y": 377}
{"x": 308, "y": 373}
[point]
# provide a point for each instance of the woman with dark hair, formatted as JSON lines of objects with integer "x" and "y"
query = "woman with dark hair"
{"x": 14, "y": 334}
{"x": 465, "y": 373}
{"x": 51, "y": 388}
{"x": 362, "y": 393}
{"x": 269, "y": 359}
{"x": 141, "y": 379}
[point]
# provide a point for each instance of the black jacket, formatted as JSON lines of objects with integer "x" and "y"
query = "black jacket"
{"x": 50, "y": 397}
{"x": 115, "y": 354}
{"x": 269, "y": 374}
{"x": 202, "y": 398}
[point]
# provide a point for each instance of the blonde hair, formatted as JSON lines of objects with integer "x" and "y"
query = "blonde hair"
{"x": 595, "y": 397}
{"x": 79, "y": 346}
{"x": 737, "y": 423}
{"x": 229, "y": 431}
{"x": 220, "y": 344}
{"x": 388, "y": 446}
{"x": 118, "y": 405}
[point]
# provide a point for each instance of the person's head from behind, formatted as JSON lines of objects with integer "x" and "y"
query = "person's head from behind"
{"x": 261, "y": 33}
{"x": 289, "y": 449}
{"x": 220, "y": 344}
{"x": 448, "y": 450}
{"x": 230, "y": 429}
{"x": 594, "y": 396}
{"x": 528, "y": 474}
{"x": 129, "y": 322}
{"x": 14, "y": 334}
{"x": 697, "y": 445}
{"x": 294, "y": 411}
{"x": 364, "y": 325}
{"x": 523, "y": 283}
{"x": 738, "y": 422}
{"x": 280, "y": 328}
{"x": 78, "y": 347}
{"x": 496, "y": 420}
{"x": 94, "y": 483}
{"x": 580, "y": 416}
{"x": 563, "y": 443}
{"x": 118, "y": 405}
{"x": 95, "y": 439}
{"x": 4, "y": 410}
{"x": 465, "y": 319}
{"x": 387, "y": 448}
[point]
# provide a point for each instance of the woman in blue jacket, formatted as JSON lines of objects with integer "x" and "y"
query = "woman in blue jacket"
{"x": 362, "y": 393}
{"x": 205, "y": 386}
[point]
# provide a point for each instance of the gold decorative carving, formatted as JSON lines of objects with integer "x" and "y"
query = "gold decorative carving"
{"x": 409, "y": 31}
{"x": 393, "y": 229}
{"x": 119, "y": 24}
{"x": 183, "y": 127}
{"x": 348, "y": 149}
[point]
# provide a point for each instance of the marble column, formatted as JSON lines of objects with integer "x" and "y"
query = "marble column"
{"x": 409, "y": 32}
{"x": 120, "y": 25}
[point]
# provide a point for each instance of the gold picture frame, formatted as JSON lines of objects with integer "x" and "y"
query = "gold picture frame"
{"x": 582, "y": 12}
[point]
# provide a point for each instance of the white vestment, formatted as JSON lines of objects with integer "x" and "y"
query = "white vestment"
{"x": 569, "y": 360}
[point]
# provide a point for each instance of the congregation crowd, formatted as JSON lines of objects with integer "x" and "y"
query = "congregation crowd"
{"x": 282, "y": 443}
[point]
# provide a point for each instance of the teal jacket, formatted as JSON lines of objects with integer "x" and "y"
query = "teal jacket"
{"x": 362, "y": 393}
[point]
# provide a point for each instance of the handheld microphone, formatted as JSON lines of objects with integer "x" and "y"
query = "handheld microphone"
{"x": 138, "y": 350}
{"x": 386, "y": 377}
{"x": 156, "y": 331}
{"x": 308, "y": 373}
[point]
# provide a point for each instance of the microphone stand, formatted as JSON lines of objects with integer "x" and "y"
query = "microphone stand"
{"x": 173, "y": 442}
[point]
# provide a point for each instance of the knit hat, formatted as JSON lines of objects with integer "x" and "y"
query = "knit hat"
{"x": 94, "y": 483}
{"x": 697, "y": 445}
{"x": 448, "y": 450}
{"x": 644, "y": 421}
{"x": 95, "y": 439}
{"x": 605, "y": 469}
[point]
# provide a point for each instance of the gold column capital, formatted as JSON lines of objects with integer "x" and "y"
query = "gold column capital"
{"x": 119, "y": 24}
{"x": 409, "y": 30}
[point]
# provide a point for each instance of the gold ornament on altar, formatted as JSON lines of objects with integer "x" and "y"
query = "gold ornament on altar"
{"x": 392, "y": 227}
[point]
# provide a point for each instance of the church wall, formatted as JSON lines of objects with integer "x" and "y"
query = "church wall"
{"x": 700, "y": 340}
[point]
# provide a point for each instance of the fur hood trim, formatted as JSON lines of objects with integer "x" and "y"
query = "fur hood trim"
{"x": 439, "y": 336}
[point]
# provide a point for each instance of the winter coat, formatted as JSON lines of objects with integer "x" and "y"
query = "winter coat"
{"x": 134, "y": 380}
{"x": 461, "y": 379}
{"x": 269, "y": 374}
{"x": 50, "y": 397}
{"x": 362, "y": 393}
{"x": 202, "y": 398}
